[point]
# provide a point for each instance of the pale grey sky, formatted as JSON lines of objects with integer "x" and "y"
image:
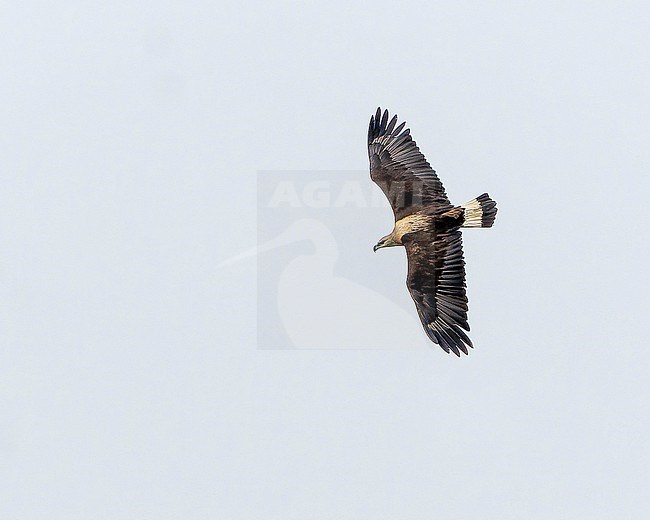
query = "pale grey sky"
{"x": 130, "y": 382}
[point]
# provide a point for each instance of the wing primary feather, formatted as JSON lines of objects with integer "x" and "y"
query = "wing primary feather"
{"x": 436, "y": 337}
{"x": 450, "y": 343}
{"x": 443, "y": 333}
{"x": 392, "y": 124}
{"x": 455, "y": 337}
{"x": 462, "y": 334}
{"x": 384, "y": 120}
{"x": 399, "y": 128}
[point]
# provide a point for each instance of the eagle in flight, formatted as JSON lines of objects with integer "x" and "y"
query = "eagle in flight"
{"x": 428, "y": 226}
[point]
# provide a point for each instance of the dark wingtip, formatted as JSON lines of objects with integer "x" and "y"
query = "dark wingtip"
{"x": 383, "y": 124}
{"x": 380, "y": 125}
{"x": 384, "y": 121}
{"x": 443, "y": 340}
{"x": 392, "y": 124}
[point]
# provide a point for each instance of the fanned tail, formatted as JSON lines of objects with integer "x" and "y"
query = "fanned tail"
{"x": 479, "y": 212}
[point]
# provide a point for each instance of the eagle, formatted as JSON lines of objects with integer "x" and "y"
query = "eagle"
{"x": 429, "y": 227}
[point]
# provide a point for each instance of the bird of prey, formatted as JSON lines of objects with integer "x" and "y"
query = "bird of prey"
{"x": 428, "y": 226}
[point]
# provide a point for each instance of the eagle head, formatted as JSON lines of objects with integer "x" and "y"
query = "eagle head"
{"x": 387, "y": 241}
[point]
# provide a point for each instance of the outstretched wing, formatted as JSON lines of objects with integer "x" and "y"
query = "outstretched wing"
{"x": 436, "y": 281}
{"x": 398, "y": 167}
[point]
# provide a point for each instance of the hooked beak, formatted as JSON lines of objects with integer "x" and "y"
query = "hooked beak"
{"x": 376, "y": 246}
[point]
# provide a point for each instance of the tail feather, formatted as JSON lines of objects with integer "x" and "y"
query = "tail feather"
{"x": 479, "y": 212}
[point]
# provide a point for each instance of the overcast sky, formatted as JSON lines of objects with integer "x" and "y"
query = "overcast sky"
{"x": 132, "y": 384}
